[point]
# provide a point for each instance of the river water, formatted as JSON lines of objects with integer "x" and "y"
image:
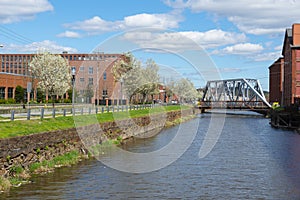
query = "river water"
{"x": 250, "y": 160}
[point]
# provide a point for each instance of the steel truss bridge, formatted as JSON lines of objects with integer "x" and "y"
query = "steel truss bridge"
{"x": 244, "y": 94}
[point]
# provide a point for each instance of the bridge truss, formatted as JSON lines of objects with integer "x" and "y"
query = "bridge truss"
{"x": 235, "y": 93}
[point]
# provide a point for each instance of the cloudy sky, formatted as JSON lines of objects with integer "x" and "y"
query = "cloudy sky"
{"x": 241, "y": 37}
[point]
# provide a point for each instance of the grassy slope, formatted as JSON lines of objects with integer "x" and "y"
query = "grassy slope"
{"x": 26, "y": 127}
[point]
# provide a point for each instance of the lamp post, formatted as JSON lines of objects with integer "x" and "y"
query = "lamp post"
{"x": 73, "y": 69}
{"x": 122, "y": 81}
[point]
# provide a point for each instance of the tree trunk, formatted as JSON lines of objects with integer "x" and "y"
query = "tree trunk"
{"x": 53, "y": 100}
{"x": 144, "y": 98}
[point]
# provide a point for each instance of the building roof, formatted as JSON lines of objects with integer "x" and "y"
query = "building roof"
{"x": 288, "y": 36}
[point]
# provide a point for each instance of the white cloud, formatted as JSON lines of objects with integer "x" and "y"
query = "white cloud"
{"x": 268, "y": 56}
{"x": 241, "y": 49}
{"x": 279, "y": 48}
{"x": 18, "y": 10}
{"x": 34, "y": 47}
{"x": 250, "y": 16}
{"x": 98, "y": 25}
{"x": 181, "y": 41}
{"x": 162, "y": 21}
{"x": 230, "y": 70}
{"x": 69, "y": 34}
{"x": 95, "y": 25}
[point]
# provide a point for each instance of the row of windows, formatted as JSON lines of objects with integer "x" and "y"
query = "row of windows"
{"x": 81, "y": 79}
{"x": 95, "y": 57}
{"x": 15, "y": 58}
{"x": 24, "y": 72}
{"x": 20, "y": 58}
{"x": 10, "y": 92}
{"x": 11, "y": 65}
{"x": 90, "y": 69}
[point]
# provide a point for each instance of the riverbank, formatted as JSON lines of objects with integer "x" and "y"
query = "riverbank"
{"x": 285, "y": 120}
{"x": 39, "y": 153}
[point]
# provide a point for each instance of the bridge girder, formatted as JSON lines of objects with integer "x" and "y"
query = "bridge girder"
{"x": 247, "y": 92}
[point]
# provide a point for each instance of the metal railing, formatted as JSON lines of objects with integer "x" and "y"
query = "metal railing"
{"x": 48, "y": 112}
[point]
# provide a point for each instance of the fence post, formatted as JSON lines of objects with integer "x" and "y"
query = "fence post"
{"x": 96, "y": 110}
{"x": 12, "y": 117}
{"x": 64, "y": 111}
{"x": 107, "y": 110}
{"x": 113, "y": 109}
{"x": 81, "y": 111}
{"x": 102, "y": 109}
{"x": 53, "y": 112}
{"x": 42, "y": 113}
{"x": 28, "y": 114}
{"x": 90, "y": 110}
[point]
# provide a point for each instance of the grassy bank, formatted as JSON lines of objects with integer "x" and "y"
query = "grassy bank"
{"x": 18, "y": 175}
{"x": 26, "y": 127}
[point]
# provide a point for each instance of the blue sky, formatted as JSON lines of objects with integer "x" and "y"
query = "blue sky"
{"x": 241, "y": 38}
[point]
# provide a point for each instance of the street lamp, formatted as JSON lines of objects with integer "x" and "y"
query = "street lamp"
{"x": 122, "y": 81}
{"x": 73, "y": 70}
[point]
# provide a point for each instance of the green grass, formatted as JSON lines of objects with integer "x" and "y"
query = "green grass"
{"x": 48, "y": 165}
{"x": 26, "y": 127}
{"x": 4, "y": 184}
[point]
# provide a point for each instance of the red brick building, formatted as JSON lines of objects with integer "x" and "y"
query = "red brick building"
{"x": 290, "y": 66}
{"x": 276, "y": 81}
{"x": 93, "y": 72}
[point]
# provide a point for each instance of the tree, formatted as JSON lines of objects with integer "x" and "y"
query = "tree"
{"x": 133, "y": 80}
{"x": 137, "y": 80}
{"x": 185, "y": 90}
{"x": 88, "y": 93}
{"x": 122, "y": 66}
{"x": 53, "y": 73}
{"x": 19, "y": 94}
{"x": 150, "y": 80}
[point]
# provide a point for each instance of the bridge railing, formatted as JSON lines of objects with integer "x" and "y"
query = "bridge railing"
{"x": 234, "y": 104}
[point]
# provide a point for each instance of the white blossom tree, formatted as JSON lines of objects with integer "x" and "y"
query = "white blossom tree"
{"x": 150, "y": 80}
{"x": 185, "y": 90}
{"x": 53, "y": 73}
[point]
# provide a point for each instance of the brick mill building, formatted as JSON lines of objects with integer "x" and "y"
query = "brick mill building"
{"x": 93, "y": 72}
{"x": 284, "y": 74}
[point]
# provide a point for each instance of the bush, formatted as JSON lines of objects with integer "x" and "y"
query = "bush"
{"x": 67, "y": 101}
{"x": 11, "y": 101}
{"x": 2, "y": 101}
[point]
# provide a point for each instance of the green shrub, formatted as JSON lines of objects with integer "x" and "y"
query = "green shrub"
{"x": 2, "y": 101}
{"x": 10, "y": 101}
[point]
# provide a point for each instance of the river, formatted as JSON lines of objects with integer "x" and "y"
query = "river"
{"x": 250, "y": 160}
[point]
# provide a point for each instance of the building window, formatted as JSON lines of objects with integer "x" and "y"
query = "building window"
{"x": 104, "y": 94}
{"x": 2, "y": 92}
{"x": 81, "y": 68}
{"x": 81, "y": 80}
{"x": 91, "y": 81}
{"x": 91, "y": 70}
{"x": 104, "y": 76}
{"x": 10, "y": 92}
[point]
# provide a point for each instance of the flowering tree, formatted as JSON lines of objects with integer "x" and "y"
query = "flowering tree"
{"x": 53, "y": 73}
{"x": 150, "y": 80}
{"x": 185, "y": 90}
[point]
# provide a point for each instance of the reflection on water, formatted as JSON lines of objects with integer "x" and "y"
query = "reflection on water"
{"x": 250, "y": 161}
